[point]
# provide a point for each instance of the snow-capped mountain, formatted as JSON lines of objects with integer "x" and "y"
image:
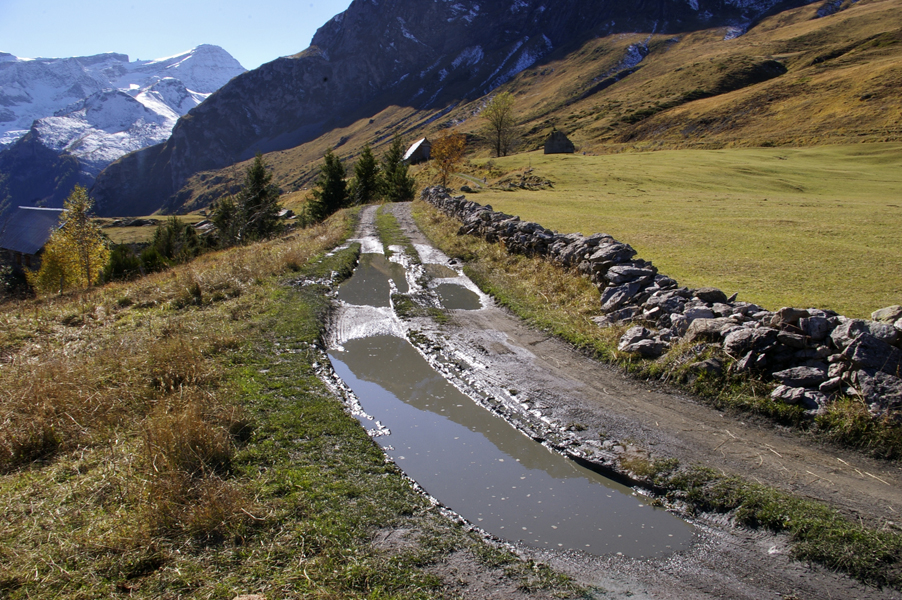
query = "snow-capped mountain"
{"x": 89, "y": 111}
{"x": 33, "y": 89}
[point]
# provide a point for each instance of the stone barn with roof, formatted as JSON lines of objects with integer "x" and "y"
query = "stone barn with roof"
{"x": 419, "y": 151}
{"x": 559, "y": 143}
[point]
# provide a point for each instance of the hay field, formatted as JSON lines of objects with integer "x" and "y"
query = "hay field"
{"x": 807, "y": 227}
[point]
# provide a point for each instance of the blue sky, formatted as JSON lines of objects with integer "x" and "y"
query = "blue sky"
{"x": 253, "y": 31}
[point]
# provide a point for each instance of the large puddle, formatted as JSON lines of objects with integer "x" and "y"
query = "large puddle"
{"x": 480, "y": 466}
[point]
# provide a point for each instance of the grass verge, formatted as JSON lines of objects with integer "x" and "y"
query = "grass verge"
{"x": 170, "y": 438}
{"x": 563, "y": 304}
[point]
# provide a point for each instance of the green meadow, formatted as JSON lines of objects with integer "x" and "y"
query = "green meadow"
{"x": 805, "y": 227}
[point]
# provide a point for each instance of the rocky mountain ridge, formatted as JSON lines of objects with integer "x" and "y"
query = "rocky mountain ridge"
{"x": 392, "y": 52}
{"x": 63, "y": 120}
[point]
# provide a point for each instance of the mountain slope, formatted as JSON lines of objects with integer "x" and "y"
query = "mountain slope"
{"x": 89, "y": 111}
{"x": 394, "y": 52}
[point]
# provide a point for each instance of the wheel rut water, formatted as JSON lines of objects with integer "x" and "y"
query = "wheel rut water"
{"x": 466, "y": 457}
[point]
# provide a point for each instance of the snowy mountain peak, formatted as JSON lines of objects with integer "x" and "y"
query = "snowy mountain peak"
{"x": 32, "y": 89}
{"x": 93, "y": 109}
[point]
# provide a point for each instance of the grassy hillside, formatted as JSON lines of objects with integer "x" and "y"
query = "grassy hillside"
{"x": 783, "y": 227}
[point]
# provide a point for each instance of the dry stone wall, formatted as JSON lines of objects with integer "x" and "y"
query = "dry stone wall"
{"x": 812, "y": 355}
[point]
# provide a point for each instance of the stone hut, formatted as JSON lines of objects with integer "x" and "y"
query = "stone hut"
{"x": 559, "y": 143}
{"x": 24, "y": 234}
{"x": 419, "y": 151}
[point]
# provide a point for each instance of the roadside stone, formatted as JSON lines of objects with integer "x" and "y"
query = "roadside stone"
{"x": 697, "y": 312}
{"x": 804, "y": 377}
{"x": 744, "y": 364}
{"x": 884, "y": 331}
{"x": 847, "y": 331}
{"x": 809, "y": 399}
{"x": 708, "y": 330}
{"x": 788, "y": 316}
{"x": 623, "y": 273}
{"x": 647, "y": 348}
{"x": 816, "y": 327}
{"x": 793, "y": 340}
{"x": 627, "y": 313}
{"x": 836, "y": 369}
{"x": 890, "y": 314}
{"x": 898, "y": 325}
{"x": 710, "y": 295}
{"x": 634, "y": 335}
{"x": 739, "y": 342}
{"x": 880, "y": 390}
{"x": 614, "y": 253}
{"x": 830, "y": 386}
{"x": 615, "y": 297}
{"x": 868, "y": 352}
{"x": 711, "y": 366}
{"x": 722, "y": 310}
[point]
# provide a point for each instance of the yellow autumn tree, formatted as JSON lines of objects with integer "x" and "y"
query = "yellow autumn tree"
{"x": 76, "y": 253}
{"x": 446, "y": 153}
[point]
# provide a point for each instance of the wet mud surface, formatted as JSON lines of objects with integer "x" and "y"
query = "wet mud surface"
{"x": 553, "y": 393}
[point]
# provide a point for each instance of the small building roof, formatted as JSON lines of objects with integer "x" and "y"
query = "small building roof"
{"x": 414, "y": 147}
{"x": 29, "y": 228}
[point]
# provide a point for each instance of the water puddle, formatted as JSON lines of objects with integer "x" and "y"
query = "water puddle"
{"x": 439, "y": 271}
{"x": 370, "y": 283}
{"x": 476, "y": 463}
{"x": 453, "y": 296}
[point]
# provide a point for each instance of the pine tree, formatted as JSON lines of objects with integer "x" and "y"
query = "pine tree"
{"x": 258, "y": 203}
{"x": 76, "y": 253}
{"x": 331, "y": 191}
{"x": 367, "y": 178}
{"x": 397, "y": 185}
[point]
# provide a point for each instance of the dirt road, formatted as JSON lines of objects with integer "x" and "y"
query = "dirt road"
{"x": 493, "y": 354}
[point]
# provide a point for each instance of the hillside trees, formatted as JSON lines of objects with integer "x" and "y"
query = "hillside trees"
{"x": 502, "y": 132}
{"x": 76, "y": 252}
{"x": 447, "y": 152}
{"x": 331, "y": 191}
{"x": 367, "y": 178}
{"x": 254, "y": 214}
{"x": 397, "y": 185}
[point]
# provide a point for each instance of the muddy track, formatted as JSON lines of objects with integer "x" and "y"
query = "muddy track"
{"x": 545, "y": 382}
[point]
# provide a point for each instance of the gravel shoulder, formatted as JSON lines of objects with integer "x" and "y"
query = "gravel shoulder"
{"x": 492, "y": 353}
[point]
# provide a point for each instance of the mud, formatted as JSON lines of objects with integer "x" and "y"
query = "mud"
{"x": 549, "y": 390}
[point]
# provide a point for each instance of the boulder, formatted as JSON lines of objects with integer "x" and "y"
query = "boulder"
{"x": 742, "y": 341}
{"x": 627, "y": 272}
{"x": 809, "y": 399}
{"x": 711, "y": 366}
{"x": 641, "y": 340}
{"x": 869, "y": 352}
{"x": 880, "y": 390}
{"x": 697, "y": 312}
{"x": 710, "y": 295}
{"x": 815, "y": 327}
{"x": 890, "y": 314}
{"x": 708, "y": 330}
{"x": 613, "y": 253}
{"x": 614, "y": 297}
{"x": 802, "y": 377}
{"x": 788, "y": 316}
{"x": 793, "y": 340}
{"x": 847, "y": 331}
{"x": 884, "y": 331}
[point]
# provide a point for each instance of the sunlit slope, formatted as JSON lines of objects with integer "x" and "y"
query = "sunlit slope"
{"x": 811, "y": 227}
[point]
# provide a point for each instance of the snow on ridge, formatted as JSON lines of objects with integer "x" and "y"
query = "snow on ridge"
{"x": 469, "y": 57}
{"x": 32, "y": 90}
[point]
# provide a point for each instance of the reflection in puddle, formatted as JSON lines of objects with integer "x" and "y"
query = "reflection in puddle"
{"x": 370, "y": 283}
{"x": 481, "y": 467}
{"x": 439, "y": 271}
{"x": 453, "y": 296}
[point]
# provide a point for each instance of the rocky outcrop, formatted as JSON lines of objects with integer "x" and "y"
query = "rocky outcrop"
{"x": 427, "y": 55}
{"x": 812, "y": 355}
